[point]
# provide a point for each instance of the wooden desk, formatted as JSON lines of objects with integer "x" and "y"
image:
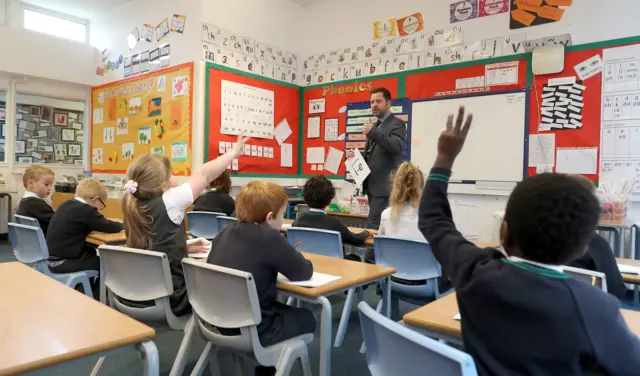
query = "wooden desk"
{"x": 437, "y": 318}
{"x": 354, "y": 274}
{"x": 44, "y": 323}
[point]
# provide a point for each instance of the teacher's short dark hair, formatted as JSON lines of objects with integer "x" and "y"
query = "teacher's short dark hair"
{"x": 385, "y": 93}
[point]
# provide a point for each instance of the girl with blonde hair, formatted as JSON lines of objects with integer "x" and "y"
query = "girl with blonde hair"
{"x": 400, "y": 219}
{"x": 154, "y": 211}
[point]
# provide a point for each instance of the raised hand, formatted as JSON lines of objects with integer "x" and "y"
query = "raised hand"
{"x": 452, "y": 139}
{"x": 238, "y": 149}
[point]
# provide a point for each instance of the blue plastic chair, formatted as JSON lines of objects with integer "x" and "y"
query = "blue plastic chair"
{"x": 325, "y": 243}
{"x": 414, "y": 261}
{"x": 224, "y": 222}
{"x": 30, "y": 247}
{"x": 27, "y": 221}
{"x": 203, "y": 224}
{"x": 394, "y": 349}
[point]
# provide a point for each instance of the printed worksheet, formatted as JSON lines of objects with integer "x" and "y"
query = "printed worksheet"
{"x": 247, "y": 109}
{"x": 620, "y": 127}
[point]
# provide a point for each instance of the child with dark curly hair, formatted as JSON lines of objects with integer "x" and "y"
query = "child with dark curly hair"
{"x": 318, "y": 192}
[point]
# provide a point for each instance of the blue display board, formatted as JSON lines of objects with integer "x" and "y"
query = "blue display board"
{"x": 359, "y": 113}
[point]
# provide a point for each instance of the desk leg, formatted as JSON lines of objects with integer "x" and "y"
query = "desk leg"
{"x": 636, "y": 295}
{"x": 635, "y": 238}
{"x": 387, "y": 298}
{"x": 325, "y": 336}
{"x": 151, "y": 358}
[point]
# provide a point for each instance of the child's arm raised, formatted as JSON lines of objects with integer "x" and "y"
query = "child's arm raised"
{"x": 201, "y": 177}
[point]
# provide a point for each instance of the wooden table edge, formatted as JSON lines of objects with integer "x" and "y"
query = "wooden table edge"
{"x": 315, "y": 292}
{"x": 55, "y": 360}
{"x": 410, "y": 320}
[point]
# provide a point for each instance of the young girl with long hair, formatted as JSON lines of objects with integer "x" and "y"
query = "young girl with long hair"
{"x": 400, "y": 219}
{"x": 154, "y": 211}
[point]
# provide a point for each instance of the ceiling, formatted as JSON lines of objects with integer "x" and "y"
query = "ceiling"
{"x": 88, "y": 9}
{"x": 305, "y": 3}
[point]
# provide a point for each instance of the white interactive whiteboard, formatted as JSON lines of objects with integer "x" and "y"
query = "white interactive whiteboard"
{"x": 493, "y": 157}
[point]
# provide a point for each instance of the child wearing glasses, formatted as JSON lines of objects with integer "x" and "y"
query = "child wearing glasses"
{"x": 70, "y": 225}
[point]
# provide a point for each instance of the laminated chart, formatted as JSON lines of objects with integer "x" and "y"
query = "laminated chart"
{"x": 246, "y": 109}
{"x": 620, "y": 124}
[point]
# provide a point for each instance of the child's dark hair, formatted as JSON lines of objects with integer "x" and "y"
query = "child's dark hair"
{"x": 318, "y": 192}
{"x": 550, "y": 218}
{"x": 222, "y": 183}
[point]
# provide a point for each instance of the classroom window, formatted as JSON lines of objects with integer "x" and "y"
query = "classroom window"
{"x": 3, "y": 117}
{"x": 49, "y": 130}
{"x": 58, "y": 24}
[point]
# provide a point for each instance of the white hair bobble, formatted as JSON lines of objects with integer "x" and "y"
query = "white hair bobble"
{"x": 131, "y": 187}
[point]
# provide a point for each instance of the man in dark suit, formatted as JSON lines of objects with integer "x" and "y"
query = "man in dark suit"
{"x": 383, "y": 153}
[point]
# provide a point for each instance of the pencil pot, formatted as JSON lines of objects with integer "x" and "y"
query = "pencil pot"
{"x": 620, "y": 210}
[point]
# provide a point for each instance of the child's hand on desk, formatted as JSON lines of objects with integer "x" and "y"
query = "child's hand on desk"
{"x": 198, "y": 246}
{"x": 452, "y": 139}
{"x": 372, "y": 233}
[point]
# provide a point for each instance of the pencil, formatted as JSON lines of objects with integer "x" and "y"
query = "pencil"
{"x": 297, "y": 245}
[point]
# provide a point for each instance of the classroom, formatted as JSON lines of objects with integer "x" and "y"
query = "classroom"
{"x": 159, "y": 145}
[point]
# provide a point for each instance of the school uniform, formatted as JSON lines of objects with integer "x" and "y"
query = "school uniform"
{"x": 520, "y": 317}
{"x": 317, "y": 218}
{"x": 405, "y": 226}
{"x": 215, "y": 201}
{"x": 241, "y": 246}
{"x": 599, "y": 257}
{"x": 72, "y": 223}
{"x": 33, "y": 206}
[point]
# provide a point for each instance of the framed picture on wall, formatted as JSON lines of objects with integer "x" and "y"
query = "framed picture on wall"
{"x": 60, "y": 119}
{"x": 68, "y": 135}
{"x": 20, "y": 146}
{"x": 60, "y": 151}
{"x": 35, "y": 111}
{"x": 25, "y": 159}
{"x": 54, "y": 134}
{"x": 78, "y": 162}
{"x": 47, "y": 114}
{"x": 32, "y": 143}
{"x": 75, "y": 150}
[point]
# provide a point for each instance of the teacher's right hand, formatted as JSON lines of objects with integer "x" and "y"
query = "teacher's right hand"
{"x": 351, "y": 153}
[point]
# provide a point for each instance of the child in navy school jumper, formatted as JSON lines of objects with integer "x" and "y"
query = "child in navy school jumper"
{"x": 218, "y": 198}
{"x": 318, "y": 192}
{"x": 599, "y": 256}
{"x": 521, "y": 315}
{"x": 74, "y": 220}
{"x": 38, "y": 182}
{"x": 255, "y": 244}
{"x": 154, "y": 213}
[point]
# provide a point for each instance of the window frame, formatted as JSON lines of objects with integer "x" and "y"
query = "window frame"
{"x": 60, "y": 15}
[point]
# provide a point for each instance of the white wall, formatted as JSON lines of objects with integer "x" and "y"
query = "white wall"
{"x": 333, "y": 24}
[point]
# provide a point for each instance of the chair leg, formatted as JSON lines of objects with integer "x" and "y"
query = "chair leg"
{"x": 285, "y": 362}
{"x": 360, "y": 295}
{"x": 238, "y": 365}
{"x": 96, "y": 368}
{"x": 183, "y": 352}
{"x": 346, "y": 312}
{"x": 304, "y": 362}
{"x": 290, "y": 301}
{"x": 86, "y": 286}
{"x": 151, "y": 358}
{"x": 202, "y": 360}
{"x": 378, "y": 309}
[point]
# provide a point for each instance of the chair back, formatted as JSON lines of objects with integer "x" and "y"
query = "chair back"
{"x": 29, "y": 245}
{"x": 413, "y": 259}
{"x": 319, "y": 242}
{"x": 203, "y": 224}
{"x": 597, "y": 279}
{"x": 392, "y": 347}
{"x": 138, "y": 276}
{"x": 224, "y": 222}
{"x": 207, "y": 286}
{"x": 24, "y": 220}
{"x": 301, "y": 209}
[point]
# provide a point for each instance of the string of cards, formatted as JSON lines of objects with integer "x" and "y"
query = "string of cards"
{"x": 235, "y": 51}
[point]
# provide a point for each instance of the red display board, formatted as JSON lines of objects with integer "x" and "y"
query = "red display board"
{"x": 589, "y": 135}
{"x": 336, "y": 98}
{"x": 287, "y": 106}
{"x": 442, "y": 82}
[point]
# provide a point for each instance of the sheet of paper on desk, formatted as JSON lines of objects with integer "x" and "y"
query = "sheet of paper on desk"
{"x": 358, "y": 167}
{"x": 577, "y": 160}
{"x": 286, "y": 225}
{"x": 318, "y": 279}
{"x": 629, "y": 269}
{"x": 456, "y": 317}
